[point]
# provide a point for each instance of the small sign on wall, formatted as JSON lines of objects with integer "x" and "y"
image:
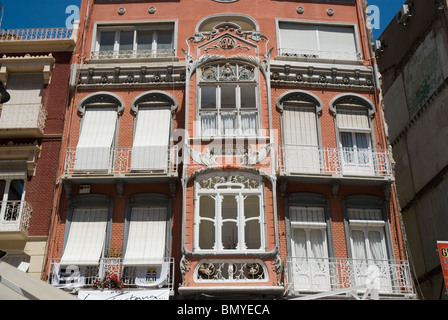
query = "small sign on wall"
{"x": 443, "y": 253}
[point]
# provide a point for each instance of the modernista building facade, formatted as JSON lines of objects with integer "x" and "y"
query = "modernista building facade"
{"x": 217, "y": 149}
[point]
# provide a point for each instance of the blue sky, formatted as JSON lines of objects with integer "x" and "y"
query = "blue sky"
{"x": 52, "y": 13}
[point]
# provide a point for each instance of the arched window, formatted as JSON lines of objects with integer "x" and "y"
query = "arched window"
{"x": 228, "y": 100}
{"x": 94, "y": 152}
{"x": 300, "y": 132}
{"x": 152, "y": 131}
{"x": 354, "y": 133}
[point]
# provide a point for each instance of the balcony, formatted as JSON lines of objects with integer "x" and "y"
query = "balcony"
{"x": 35, "y": 34}
{"x": 330, "y": 277}
{"x": 118, "y": 162}
{"x": 347, "y": 163}
{"x": 131, "y": 277}
{"x": 38, "y": 39}
{"x": 14, "y": 219}
{"x": 324, "y": 56}
{"x": 22, "y": 121}
{"x": 133, "y": 55}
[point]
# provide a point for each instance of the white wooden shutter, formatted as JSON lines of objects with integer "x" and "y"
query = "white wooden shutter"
{"x": 86, "y": 237}
{"x": 25, "y": 88}
{"x": 353, "y": 119}
{"x": 151, "y": 139}
{"x": 94, "y": 149}
{"x": 337, "y": 38}
{"x": 298, "y": 36}
{"x": 300, "y": 139}
{"x": 146, "y": 239}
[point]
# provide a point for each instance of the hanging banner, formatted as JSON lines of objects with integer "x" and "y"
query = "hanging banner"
{"x": 156, "y": 294}
{"x": 443, "y": 253}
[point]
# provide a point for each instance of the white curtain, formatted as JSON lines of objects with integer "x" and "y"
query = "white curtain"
{"x": 151, "y": 139}
{"x": 208, "y": 124}
{"x": 299, "y": 243}
{"x": 249, "y": 123}
{"x": 317, "y": 244}
{"x": 376, "y": 245}
{"x": 94, "y": 150}
{"x": 228, "y": 123}
{"x": 359, "y": 249}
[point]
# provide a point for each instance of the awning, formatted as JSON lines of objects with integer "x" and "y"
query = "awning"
{"x": 86, "y": 237}
{"x": 18, "y": 285}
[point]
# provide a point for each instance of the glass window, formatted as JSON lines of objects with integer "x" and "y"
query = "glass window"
{"x": 231, "y": 108}
{"x": 119, "y": 41}
{"x": 317, "y": 41}
{"x": 229, "y": 216}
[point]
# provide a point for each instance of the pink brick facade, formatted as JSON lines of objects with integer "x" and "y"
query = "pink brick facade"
{"x": 232, "y": 45}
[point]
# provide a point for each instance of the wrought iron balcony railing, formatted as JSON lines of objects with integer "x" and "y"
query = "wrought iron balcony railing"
{"x": 117, "y": 161}
{"x": 73, "y": 276}
{"x": 295, "y": 159}
{"x": 15, "y": 216}
{"x": 311, "y": 275}
{"x": 323, "y": 55}
{"x": 35, "y": 34}
{"x": 230, "y": 271}
{"x": 133, "y": 54}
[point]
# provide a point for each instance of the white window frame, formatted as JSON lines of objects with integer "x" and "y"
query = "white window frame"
{"x": 219, "y": 110}
{"x": 338, "y": 55}
{"x": 135, "y": 28}
{"x": 218, "y": 192}
{"x": 4, "y": 197}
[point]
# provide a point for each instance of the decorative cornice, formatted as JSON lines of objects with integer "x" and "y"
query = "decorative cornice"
{"x": 133, "y": 75}
{"x": 322, "y": 76}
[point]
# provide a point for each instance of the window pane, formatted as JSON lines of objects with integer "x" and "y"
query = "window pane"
{"x": 206, "y": 228}
{"x": 252, "y": 234}
{"x": 144, "y": 40}
{"x": 252, "y": 207}
{"x": 347, "y": 145}
{"x": 107, "y": 40}
{"x": 16, "y": 190}
{"x": 206, "y": 235}
{"x": 248, "y": 99}
{"x": 229, "y": 226}
{"x": 249, "y": 123}
{"x": 207, "y": 207}
{"x": 126, "y": 40}
{"x": 208, "y": 124}
{"x": 164, "y": 39}
{"x": 228, "y": 97}
{"x": 208, "y": 97}
{"x": 299, "y": 243}
{"x": 228, "y": 124}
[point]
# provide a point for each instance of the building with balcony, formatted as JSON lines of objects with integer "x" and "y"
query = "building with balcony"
{"x": 412, "y": 55}
{"x": 35, "y": 69}
{"x": 233, "y": 151}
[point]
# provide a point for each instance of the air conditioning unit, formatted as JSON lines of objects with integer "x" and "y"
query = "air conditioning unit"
{"x": 404, "y": 14}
